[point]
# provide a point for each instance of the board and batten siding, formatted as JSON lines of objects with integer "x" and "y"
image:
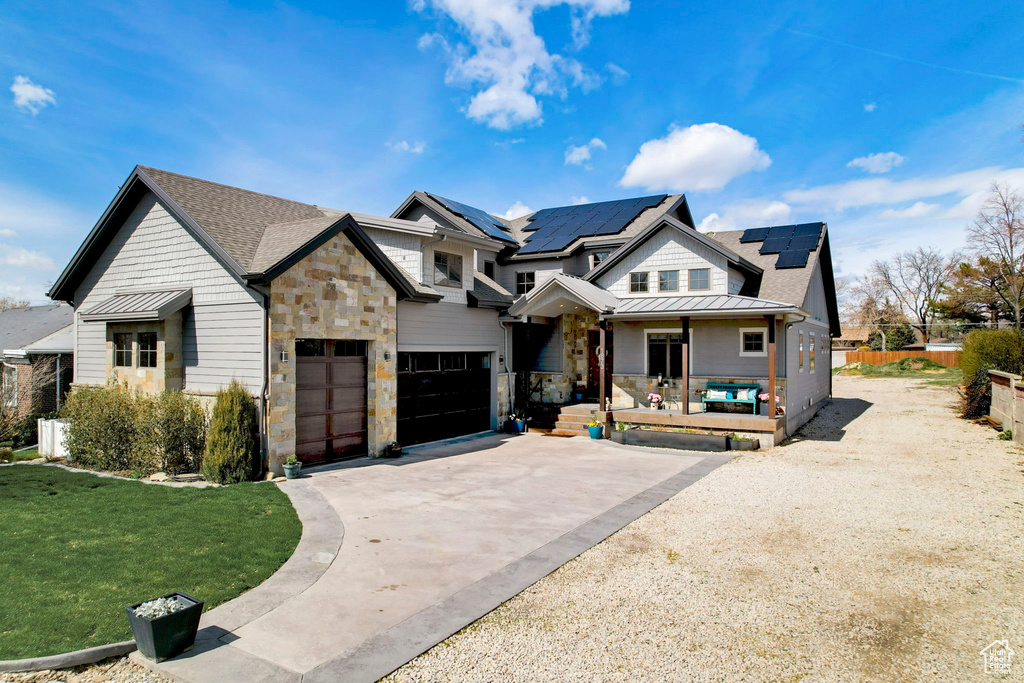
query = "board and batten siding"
{"x": 152, "y": 250}
{"x": 805, "y": 390}
{"x": 669, "y": 249}
{"x": 714, "y": 347}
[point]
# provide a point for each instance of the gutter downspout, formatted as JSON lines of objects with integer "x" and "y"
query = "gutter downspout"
{"x": 264, "y": 422}
{"x": 508, "y": 375}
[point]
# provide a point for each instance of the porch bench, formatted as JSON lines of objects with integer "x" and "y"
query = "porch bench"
{"x": 731, "y": 391}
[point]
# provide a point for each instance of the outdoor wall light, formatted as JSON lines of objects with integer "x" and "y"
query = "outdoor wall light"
{"x": 387, "y": 355}
{"x": 284, "y": 356}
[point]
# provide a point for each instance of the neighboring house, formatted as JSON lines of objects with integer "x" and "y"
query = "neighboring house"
{"x": 355, "y": 330}
{"x": 36, "y": 353}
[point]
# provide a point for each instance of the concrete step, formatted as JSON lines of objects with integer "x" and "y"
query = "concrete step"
{"x": 574, "y": 419}
{"x": 581, "y": 409}
{"x": 580, "y": 427}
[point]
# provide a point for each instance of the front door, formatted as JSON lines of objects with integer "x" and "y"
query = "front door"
{"x": 594, "y": 364}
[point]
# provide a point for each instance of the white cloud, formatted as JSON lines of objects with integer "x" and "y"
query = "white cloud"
{"x": 7, "y": 232}
{"x": 705, "y": 156}
{"x": 619, "y": 75}
{"x": 870, "y": 106}
{"x": 883, "y": 162}
{"x": 505, "y": 57}
{"x": 970, "y": 185}
{"x": 517, "y": 210}
{"x": 751, "y": 213}
{"x": 916, "y": 210}
{"x": 17, "y": 257}
{"x": 405, "y": 146}
{"x": 578, "y": 155}
{"x": 31, "y": 97}
{"x": 582, "y": 199}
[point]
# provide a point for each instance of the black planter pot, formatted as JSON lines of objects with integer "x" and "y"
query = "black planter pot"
{"x": 167, "y": 636}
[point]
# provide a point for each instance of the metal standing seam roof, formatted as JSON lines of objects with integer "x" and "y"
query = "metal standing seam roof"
{"x": 708, "y": 303}
{"x": 155, "y": 305}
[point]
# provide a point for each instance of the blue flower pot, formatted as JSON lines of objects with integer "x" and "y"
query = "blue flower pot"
{"x": 596, "y": 432}
{"x": 521, "y": 426}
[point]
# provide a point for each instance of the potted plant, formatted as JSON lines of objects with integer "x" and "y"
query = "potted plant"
{"x": 781, "y": 410}
{"x": 392, "y": 450}
{"x": 519, "y": 420}
{"x": 656, "y": 399}
{"x": 166, "y": 626}
{"x": 596, "y": 429}
{"x": 743, "y": 443}
{"x": 292, "y": 466}
{"x": 619, "y": 434}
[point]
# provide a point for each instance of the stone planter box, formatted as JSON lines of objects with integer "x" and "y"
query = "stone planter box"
{"x": 681, "y": 440}
{"x": 744, "y": 444}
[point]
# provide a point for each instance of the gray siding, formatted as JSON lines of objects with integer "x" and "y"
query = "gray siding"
{"x": 446, "y": 326}
{"x": 221, "y": 343}
{"x": 401, "y": 247}
{"x": 667, "y": 250}
{"x": 805, "y": 390}
{"x": 544, "y": 268}
{"x": 550, "y": 357}
{"x": 815, "y": 299}
{"x": 151, "y": 250}
{"x": 714, "y": 348}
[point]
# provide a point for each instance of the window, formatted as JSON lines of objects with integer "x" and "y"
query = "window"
{"x": 350, "y": 347}
{"x": 700, "y": 279}
{"x": 122, "y": 349}
{"x": 447, "y": 270}
{"x": 638, "y": 282}
{"x": 600, "y": 256}
{"x": 668, "y": 281}
{"x": 801, "y": 351}
{"x": 489, "y": 269}
{"x": 147, "y": 349}
{"x": 752, "y": 341}
{"x": 308, "y": 348}
{"x": 9, "y": 385}
{"x": 665, "y": 355}
{"x": 810, "y": 349}
{"x": 524, "y": 282}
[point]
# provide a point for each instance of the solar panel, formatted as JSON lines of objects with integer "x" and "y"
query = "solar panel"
{"x": 780, "y": 232}
{"x": 556, "y": 228}
{"x": 808, "y": 229}
{"x": 809, "y": 242}
{"x": 774, "y": 246}
{"x": 754, "y": 235}
{"x": 480, "y": 219}
{"x": 794, "y": 258}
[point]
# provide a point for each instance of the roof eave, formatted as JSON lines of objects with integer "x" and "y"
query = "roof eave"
{"x": 739, "y": 313}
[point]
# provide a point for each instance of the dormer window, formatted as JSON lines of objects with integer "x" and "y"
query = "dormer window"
{"x": 598, "y": 257}
{"x": 447, "y": 270}
{"x": 525, "y": 280}
{"x": 639, "y": 283}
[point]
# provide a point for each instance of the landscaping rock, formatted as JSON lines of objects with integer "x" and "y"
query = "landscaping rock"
{"x": 159, "y": 476}
{"x": 113, "y": 670}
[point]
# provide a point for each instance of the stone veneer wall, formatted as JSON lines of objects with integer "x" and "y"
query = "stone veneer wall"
{"x": 630, "y": 391}
{"x": 334, "y": 293}
{"x": 168, "y": 374}
{"x": 557, "y": 387}
{"x": 504, "y": 404}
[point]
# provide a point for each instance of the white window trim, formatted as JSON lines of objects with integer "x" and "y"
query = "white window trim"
{"x": 667, "y": 330}
{"x": 812, "y": 357}
{"x": 754, "y": 354}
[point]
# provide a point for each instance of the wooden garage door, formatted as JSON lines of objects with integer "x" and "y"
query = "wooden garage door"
{"x": 441, "y": 395}
{"x": 330, "y": 401}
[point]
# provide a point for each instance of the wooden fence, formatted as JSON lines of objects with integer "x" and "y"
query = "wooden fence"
{"x": 950, "y": 359}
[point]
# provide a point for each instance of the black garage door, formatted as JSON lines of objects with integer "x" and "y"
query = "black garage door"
{"x": 441, "y": 395}
{"x": 330, "y": 399}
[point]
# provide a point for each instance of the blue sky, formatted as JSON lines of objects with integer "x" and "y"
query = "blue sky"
{"x": 886, "y": 120}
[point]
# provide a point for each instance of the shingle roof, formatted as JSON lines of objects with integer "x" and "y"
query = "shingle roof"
{"x": 20, "y": 327}
{"x": 281, "y": 240}
{"x": 487, "y": 292}
{"x": 786, "y": 284}
{"x": 233, "y": 217}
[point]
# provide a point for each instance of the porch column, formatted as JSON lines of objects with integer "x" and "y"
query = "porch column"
{"x": 602, "y": 356}
{"x": 771, "y": 366}
{"x": 685, "y": 320}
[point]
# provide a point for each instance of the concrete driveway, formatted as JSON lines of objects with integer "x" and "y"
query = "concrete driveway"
{"x": 397, "y": 555}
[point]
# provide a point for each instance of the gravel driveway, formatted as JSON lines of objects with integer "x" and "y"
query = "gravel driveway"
{"x": 883, "y": 543}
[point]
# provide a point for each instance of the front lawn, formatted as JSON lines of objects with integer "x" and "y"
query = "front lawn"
{"x": 78, "y": 548}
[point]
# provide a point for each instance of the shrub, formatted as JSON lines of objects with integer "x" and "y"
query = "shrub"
{"x": 6, "y": 455}
{"x": 119, "y": 429}
{"x": 978, "y": 394}
{"x": 181, "y": 432}
{"x": 896, "y": 338}
{"x": 997, "y": 349}
{"x": 232, "y": 447}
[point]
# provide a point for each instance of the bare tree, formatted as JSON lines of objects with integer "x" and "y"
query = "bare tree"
{"x": 869, "y": 306}
{"x": 997, "y": 238}
{"x": 9, "y": 302}
{"x": 8, "y": 404}
{"x": 916, "y": 280}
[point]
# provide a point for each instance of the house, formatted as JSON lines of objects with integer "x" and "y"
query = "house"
{"x": 36, "y": 354}
{"x": 355, "y": 330}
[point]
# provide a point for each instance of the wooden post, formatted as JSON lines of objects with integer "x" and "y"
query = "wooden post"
{"x": 602, "y": 355}
{"x": 685, "y": 320}
{"x": 771, "y": 366}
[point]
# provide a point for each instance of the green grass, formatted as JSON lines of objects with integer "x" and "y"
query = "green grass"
{"x": 30, "y": 454}
{"x": 78, "y": 548}
{"x": 907, "y": 368}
